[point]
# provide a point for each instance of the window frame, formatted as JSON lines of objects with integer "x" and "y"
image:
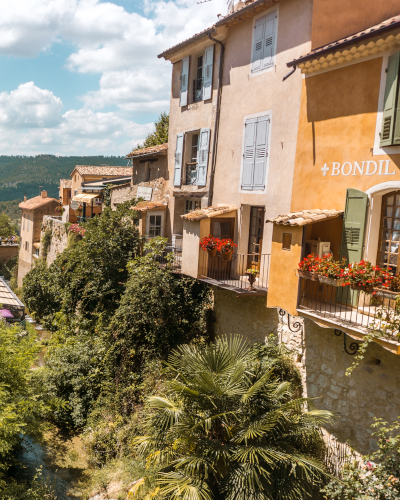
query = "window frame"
{"x": 155, "y": 213}
{"x": 255, "y": 18}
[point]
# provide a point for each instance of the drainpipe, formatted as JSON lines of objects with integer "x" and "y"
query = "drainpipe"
{"x": 290, "y": 73}
{"x": 216, "y": 122}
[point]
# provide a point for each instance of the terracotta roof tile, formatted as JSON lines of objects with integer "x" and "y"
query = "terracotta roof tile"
{"x": 160, "y": 149}
{"x": 102, "y": 170}
{"x": 205, "y": 213}
{"x": 145, "y": 206}
{"x": 36, "y": 202}
{"x": 66, "y": 183}
{"x": 388, "y": 25}
{"x": 305, "y": 217}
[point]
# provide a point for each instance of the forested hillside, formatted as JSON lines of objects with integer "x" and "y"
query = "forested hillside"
{"x": 24, "y": 174}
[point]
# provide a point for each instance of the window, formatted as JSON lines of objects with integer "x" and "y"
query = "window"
{"x": 198, "y": 82}
{"x": 389, "y": 235}
{"x": 256, "y": 229}
{"x": 390, "y": 133}
{"x": 286, "y": 241}
{"x": 202, "y": 75}
{"x": 155, "y": 224}
{"x": 196, "y": 158}
{"x": 23, "y": 222}
{"x": 264, "y": 42}
{"x": 27, "y": 246}
{"x": 192, "y": 204}
{"x": 27, "y": 222}
{"x": 191, "y": 166}
{"x": 255, "y": 153}
{"x": 37, "y": 252}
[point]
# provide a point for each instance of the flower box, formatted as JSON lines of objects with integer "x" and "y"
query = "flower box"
{"x": 331, "y": 281}
{"x": 212, "y": 252}
{"x": 307, "y": 275}
{"x": 362, "y": 288}
{"x": 386, "y": 294}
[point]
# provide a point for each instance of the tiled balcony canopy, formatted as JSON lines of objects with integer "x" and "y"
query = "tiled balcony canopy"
{"x": 305, "y": 217}
{"x": 208, "y": 212}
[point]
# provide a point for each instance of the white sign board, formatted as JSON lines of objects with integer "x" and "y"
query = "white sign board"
{"x": 144, "y": 192}
{"x": 74, "y": 205}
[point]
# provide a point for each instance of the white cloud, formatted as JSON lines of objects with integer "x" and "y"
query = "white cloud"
{"x": 29, "y": 107}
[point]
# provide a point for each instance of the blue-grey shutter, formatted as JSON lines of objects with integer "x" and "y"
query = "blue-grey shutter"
{"x": 389, "y": 107}
{"x": 184, "y": 82}
{"x": 261, "y": 153}
{"x": 208, "y": 72}
{"x": 249, "y": 153}
{"x": 202, "y": 156}
{"x": 258, "y": 44}
{"x": 354, "y": 225}
{"x": 178, "y": 160}
{"x": 269, "y": 40}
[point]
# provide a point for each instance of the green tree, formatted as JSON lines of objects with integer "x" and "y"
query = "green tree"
{"x": 160, "y": 135}
{"x": 7, "y": 228}
{"x": 232, "y": 425}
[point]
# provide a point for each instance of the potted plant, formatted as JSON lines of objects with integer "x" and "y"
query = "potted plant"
{"x": 332, "y": 272}
{"x": 390, "y": 287}
{"x": 308, "y": 267}
{"x": 252, "y": 275}
{"x": 210, "y": 244}
{"x": 60, "y": 209}
{"x": 363, "y": 276}
{"x": 226, "y": 247}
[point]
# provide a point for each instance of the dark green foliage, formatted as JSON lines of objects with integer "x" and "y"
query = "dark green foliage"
{"x": 46, "y": 241}
{"x": 89, "y": 276}
{"x": 7, "y": 228}
{"x": 160, "y": 135}
{"x": 378, "y": 476}
{"x": 11, "y": 208}
{"x": 231, "y": 426}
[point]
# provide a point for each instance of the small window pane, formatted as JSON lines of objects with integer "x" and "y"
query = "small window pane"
{"x": 389, "y": 211}
{"x": 393, "y": 259}
{"x": 158, "y": 220}
{"x": 286, "y": 241}
{"x": 396, "y": 236}
{"x": 388, "y": 223}
{"x": 390, "y": 200}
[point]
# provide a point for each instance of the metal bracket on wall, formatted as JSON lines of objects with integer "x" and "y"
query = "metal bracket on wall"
{"x": 297, "y": 326}
{"x": 353, "y": 345}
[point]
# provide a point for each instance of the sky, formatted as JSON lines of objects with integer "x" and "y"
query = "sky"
{"x": 82, "y": 77}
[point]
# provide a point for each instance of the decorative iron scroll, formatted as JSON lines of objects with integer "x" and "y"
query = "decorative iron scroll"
{"x": 297, "y": 326}
{"x": 353, "y": 346}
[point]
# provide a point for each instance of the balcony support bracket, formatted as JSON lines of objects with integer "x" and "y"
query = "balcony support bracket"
{"x": 297, "y": 326}
{"x": 353, "y": 346}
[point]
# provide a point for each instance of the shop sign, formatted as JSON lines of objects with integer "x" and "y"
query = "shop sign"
{"x": 369, "y": 167}
{"x": 144, "y": 192}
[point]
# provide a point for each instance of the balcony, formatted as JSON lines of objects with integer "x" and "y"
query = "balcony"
{"x": 198, "y": 90}
{"x": 354, "y": 312}
{"x": 171, "y": 255}
{"x": 233, "y": 275}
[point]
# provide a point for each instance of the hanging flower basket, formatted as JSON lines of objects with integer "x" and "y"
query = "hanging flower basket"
{"x": 227, "y": 256}
{"x": 362, "y": 288}
{"x": 331, "y": 281}
{"x": 212, "y": 252}
{"x": 307, "y": 275}
{"x": 210, "y": 244}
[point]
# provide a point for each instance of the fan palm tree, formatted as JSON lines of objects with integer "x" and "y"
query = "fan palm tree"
{"x": 233, "y": 426}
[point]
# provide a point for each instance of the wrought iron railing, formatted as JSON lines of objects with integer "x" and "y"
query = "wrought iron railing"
{"x": 198, "y": 90}
{"x": 347, "y": 307}
{"x": 243, "y": 273}
{"x": 170, "y": 255}
{"x": 191, "y": 174}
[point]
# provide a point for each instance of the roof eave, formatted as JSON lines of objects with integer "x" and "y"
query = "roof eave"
{"x": 195, "y": 38}
{"x": 333, "y": 48}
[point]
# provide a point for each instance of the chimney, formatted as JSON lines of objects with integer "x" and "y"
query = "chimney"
{"x": 43, "y": 194}
{"x": 24, "y": 196}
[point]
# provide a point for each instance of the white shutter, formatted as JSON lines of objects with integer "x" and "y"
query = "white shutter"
{"x": 178, "y": 159}
{"x": 208, "y": 72}
{"x": 184, "y": 82}
{"x": 258, "y": 44}
{"x": 249, "y": 153}
{"x": 202, "y": 156}
{"x": 269, "y": 41}
{"x": 261, "y": 153}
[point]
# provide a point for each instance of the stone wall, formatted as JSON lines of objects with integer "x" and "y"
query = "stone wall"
{"x": 8, "y": 252}
{"x": 59, "y": 238}
{"x": 370, "y": 391}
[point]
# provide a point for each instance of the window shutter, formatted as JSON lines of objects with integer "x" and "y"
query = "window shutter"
{"x": 261, "y": 153}
{"x": 354, "y": 225}
{"x": 184, "y": 81}
{"x": 269, "y": 40}
{"x": 208, "y": 72}
{"x": 178, "y": 160}
{"x": 390, "y": 100}
{"x": 249, "y": 153}
{"x": 202, "y": 156}
{"x": 258, "y": 44}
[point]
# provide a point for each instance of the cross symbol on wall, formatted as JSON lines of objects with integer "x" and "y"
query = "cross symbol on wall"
{"x": 325, "y": 170}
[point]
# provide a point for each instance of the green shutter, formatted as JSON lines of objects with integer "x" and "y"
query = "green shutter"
{"x": 351, "y": 249}
{"x": 389, "y": 108}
